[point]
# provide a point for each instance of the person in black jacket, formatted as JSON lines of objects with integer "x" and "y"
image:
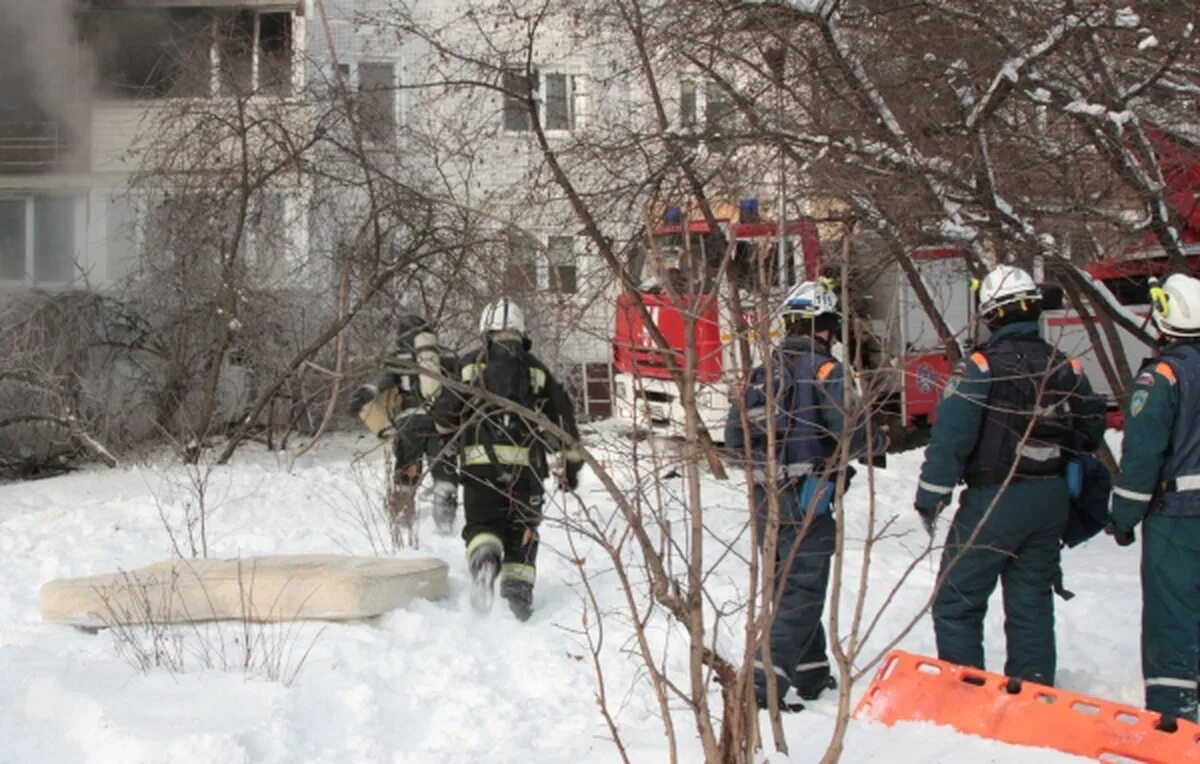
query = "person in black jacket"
{"x": 503, "y": 454}
{"x": 396, "y": 406}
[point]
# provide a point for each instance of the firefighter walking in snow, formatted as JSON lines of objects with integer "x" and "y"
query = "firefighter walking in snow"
{"x": 396, "y": 405}
{"x": 1010, "y": 414}
{"x": 1159, "y": 486}
{"x": 808, "y": 418}
{"x": 503, "y": 455}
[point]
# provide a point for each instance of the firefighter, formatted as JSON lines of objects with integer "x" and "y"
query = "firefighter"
{"x": 808, "y": 417}
{"x": 503, "y": 455}
{"x": 1159, "y": 486}
{"x": 1009, "y": 416}
{"x": 396, "y": 405}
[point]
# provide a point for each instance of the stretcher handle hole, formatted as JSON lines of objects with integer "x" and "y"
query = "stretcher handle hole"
{"x": 929, "y": 668}
{"x": 1085, "y": 708}
{"x": 974, "y": 679}
{"x": 1047, "y": 698}
{"x": 1126, "y": 718}
{"x": 889, "y": 668}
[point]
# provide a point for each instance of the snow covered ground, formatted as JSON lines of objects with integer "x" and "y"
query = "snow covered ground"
{"x": 436, "y": 682}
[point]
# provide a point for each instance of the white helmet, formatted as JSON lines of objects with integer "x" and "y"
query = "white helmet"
{"x": 1005, "y": 285}
{"x": 502, "y": 315}
{"x": 1176, "y": 305}
{"x": 811, "y": 299}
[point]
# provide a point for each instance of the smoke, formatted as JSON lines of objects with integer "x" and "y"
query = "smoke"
{"x": 44, "y": 73}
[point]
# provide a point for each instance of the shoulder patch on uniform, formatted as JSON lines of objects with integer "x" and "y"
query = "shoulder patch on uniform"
{"x": 980, "y": 360}
{"x": 1164, "y": 370}
{"x": 1145, "y": 378}
{"x": 1138, "y": 402}
{"x": 951, "y": 386}
{"x": 825, "y": 369}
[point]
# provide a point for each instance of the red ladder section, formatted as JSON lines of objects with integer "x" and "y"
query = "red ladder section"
{"x": 914, "y": 688}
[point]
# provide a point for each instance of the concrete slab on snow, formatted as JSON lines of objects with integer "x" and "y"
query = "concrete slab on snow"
{"x": 263, "y": 589}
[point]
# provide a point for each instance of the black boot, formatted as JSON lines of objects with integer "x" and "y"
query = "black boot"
{"x": 484, "y": 563}
{"x": 784, "y": 706}
{"x": 812, "y": 690}
{"x": 519, "y": 595}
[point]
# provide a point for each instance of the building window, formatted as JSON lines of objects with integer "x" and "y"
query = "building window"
{"x": 521, "y": 274}
{"x": 518, "y": 88}
{"x": 192, "y": 52}
{"x": 563, "y": 274}
{"x": 719, "y": 116}
{"x": 12, "y": 239}
{"x": 687, "y": 104}
{"x": 38, "y": 239}
{"x": 377, "y": 102}
{"x": 558, "y": 104}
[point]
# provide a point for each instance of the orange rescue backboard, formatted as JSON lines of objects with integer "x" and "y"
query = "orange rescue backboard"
{"x": 910, "y": 687}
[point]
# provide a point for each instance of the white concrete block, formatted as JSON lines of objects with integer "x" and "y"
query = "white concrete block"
{"x": 263, "y": 589}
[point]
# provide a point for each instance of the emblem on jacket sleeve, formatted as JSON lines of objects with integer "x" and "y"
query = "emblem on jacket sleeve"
{"x": 1138, "y": 402}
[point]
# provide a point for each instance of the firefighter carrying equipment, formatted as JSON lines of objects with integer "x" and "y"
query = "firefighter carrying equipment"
{"x": 1031, "y": 388}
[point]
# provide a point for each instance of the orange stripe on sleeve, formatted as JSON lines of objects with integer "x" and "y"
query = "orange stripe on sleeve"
{"x": 826, "y": 369}
{"x": 980, "y": 360}
{"x": 1165, "y": 371}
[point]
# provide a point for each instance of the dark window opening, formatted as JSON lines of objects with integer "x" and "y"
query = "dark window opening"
{"x": 521, "y": 271}
{"x": 275, "y": 53}
{"x": 719, "y": 116}
{"x": 154, "y": 53}
{"x": 12, "y": 239}
{"x": 235, "y": 45}
{"x": 377, "y": 102}
{"x": 560, "y": 114}
{"x": 687, "y": 104}
{"x": 562, "y": 256}
{"x": 518, "y": 92}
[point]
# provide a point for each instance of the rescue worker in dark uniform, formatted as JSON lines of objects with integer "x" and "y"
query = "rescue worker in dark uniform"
{"x": 809, "y": 419}
{"x": 396, "y": 406}
{"x": 1159, "y": 486}
{"x": 1015, "y": 407}
{"x": 503, "y": 455}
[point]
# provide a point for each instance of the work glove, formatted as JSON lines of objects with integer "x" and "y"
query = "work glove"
{"x": 569, "y": 477}
{"x": 928, "y": 517}
{"x": 1123, "y": 538}
{"x": 361, "y": 397}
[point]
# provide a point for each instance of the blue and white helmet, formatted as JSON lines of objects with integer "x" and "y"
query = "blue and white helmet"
{"x": 810, "y": 300}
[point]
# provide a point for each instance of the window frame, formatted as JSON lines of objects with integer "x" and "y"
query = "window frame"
{"x": 539, "y": 79}
{"x": 564, "y": 278}
{"x": 76, "y": 259}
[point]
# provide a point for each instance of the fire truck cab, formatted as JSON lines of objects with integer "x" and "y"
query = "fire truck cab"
{"x": 645, "y": 396}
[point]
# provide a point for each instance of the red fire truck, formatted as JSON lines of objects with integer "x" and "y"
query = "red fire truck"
{"x": 644, "y": 395}
{"x": 906, "y": 333}
{"x": 903, "y": 336}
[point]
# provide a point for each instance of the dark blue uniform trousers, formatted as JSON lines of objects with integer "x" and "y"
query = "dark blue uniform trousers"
{"x": 1171, "y": 613}
{"x": 797, "y": 636}
{"x": 1017, "y": 545}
